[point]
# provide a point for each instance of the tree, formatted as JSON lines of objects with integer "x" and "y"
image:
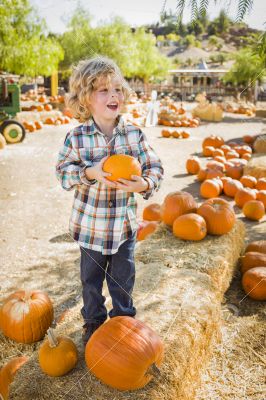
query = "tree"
{"x": 25, "y": 47}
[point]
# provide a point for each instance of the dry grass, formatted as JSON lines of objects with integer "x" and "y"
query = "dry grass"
{"x": 178, "y": 292}
{"x": 260, "y": 144}
{"x": 256, "y": 166}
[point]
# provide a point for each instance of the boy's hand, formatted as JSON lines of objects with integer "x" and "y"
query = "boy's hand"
{"x": 96, "y": 172}
{"x": 138, "y": 184}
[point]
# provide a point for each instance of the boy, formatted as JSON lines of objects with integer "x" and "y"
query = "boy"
{"x": 103, "y": 219}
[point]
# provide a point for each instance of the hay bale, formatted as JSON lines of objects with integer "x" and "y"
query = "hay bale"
{"x": 261, "y": 112}
{"x": 260, "y": 144}
{"x": 178, "y": 293}
{"x": 256, "y": 166}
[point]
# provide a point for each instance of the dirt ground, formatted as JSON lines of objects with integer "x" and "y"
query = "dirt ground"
{"x": 36, "y": 251}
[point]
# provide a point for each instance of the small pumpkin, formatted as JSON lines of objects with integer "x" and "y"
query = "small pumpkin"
{"x": 25, "y": 316}
{"x": 254, "y": 283}
{"x": 57, "y": 355}
{"x": 254, "y": 209}
{"x": 121, "y": 166}
{"x": 252, "y": 259}
{"x": 257, "y": 245}
{"x": 235, "y": 171}
{"x": 219, "y": 216}
{"x": 145, "y": 229}
{"x": 218, "y": 152}
{"x": 209, "y": 189}
{"x": 207, "y": 151}
{"x": 202, "y": 174}
{"x": 220, "y": 159}
{"x": 190, "y": 227}
{"x": 7, "y": 374}
{"x": 248, "y": 181}
{"x": 225, "y": 148}
{"x": 176, "y": 204}
{"x": 48, "y": 107}
{"x": 152, "y": 212}
{"x": 261, "y": 196}
{"x": 193, "y": 165}
{"x": 215, "y": 165}
{"x": 166, "y": 133}
{"x": 123, "y": 352}
{"x": 231, "y": 154}
{"x": 176, "y": 134}
{"x": 261, "y": 184}
{"x": 185, "y": 134}
{"x": 231, "y": 187}
{"x": 243, "y": 195}
{"x": 214, "y": 173}
{"x": 215, "y": 141}
{"x": 38, "y": 124}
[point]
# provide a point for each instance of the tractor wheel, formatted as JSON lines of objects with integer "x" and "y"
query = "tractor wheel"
{"x": 13, "y": 131}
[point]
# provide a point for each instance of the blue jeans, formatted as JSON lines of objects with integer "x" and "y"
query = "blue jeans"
{"x": 119, "y": 271}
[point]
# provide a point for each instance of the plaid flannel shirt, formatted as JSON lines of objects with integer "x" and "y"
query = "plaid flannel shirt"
{"x": 103, "y": 218}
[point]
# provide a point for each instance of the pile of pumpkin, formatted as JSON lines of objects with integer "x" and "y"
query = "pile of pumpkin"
{"x": 253, "y": 269}
{"x": 26, "y": 316}
{"x": 33, "y": 126}
{"x": 176, "y": 117}
{"x": 224, "y": 173}
{"x": 188, "y": 221}
{"x": 167, "y": 133}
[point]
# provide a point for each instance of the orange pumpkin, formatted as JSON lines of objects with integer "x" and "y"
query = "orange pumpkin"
{"x": 38, "y": 124}
{"x": 231, "y": 154}
{"x": 254, "y": 209}
{"x": 225, "y": 148}
{"x": 175, "y": 134}
{"x": 31, "y": 126}
{"x": 215, "y": 165}
{"x": 220, "y": 159}
{"x": 49, "y": 121}
{"x": 261, "y": 196}
{"x": 209, "y": 189}
{"x": 123, "y": 352}
{"x": 185, "y": 135}
{"x": 145, "y": 229}
{"x": 25, "y": 316}
{"x": 258, "y": 245}
{"x": 248, "y": 181}
{"x": 246, "y": 156}
{"x": 7, "y": 374}
{"x": 234, "y": 172}
{"x": 176, "y": 204}
{"x": 57, "y": 355}
{"x": 261, "y": 184}
{"x": 207, "y": 151}
{"x": 219, "y": 216}
{"x": 215, "y": 141}
{"x": 48, "y": 107}
{"x": 249, "y": 139}
{"x": 231, "y": 187}
{"x": 152, "y": 212}
{"x": 177, "y": 124}
{"x": 202, "y": 174}
{"x": 166, "y": 133}
{"x": 190, "y": 227}
{"x": 121, "y": 166}
{"x": 252, "y": 259}
{"x": 193, "y": 165}
{"x": 40, "y": 108}
{"x": 244, "y": 149}
{"x": 244, "y": 195}
{"x": 218, "y": 152}
{"x": 254, "y": 283}
{"x": 42, "y": 99}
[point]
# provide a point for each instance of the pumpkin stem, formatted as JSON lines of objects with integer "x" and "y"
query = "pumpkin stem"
{"x": 27, "y": 295}
{"x": 53, "y": 342}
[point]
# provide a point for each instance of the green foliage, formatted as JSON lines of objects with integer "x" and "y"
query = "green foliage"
{"x": 25, "y": 47}
{"x": 190, "y": 40}
{"x": 219, "y": 58}
{"x": 248, "y": 68}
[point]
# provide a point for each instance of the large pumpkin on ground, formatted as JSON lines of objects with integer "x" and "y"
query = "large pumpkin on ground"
{"x": 57, "y": 355}
{"x": 176, "y": 204}
{"x": 254, "y": 283}
{"x": 123, "y": 352}
{"x": 121, "y": 166}
{"x": 145, "y": 229}
{"x": 254, "y": 209}
{"x": 7, "y": 374}
{"x": 190, "y": 227}
{"x": 25, "y": 316}
{"x": 252, "y": 259}
{"x": 219, "y": 216}
{"x": 258, "y": 245}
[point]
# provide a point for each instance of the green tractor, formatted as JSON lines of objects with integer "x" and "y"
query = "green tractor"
{"x": 12, "y": 130}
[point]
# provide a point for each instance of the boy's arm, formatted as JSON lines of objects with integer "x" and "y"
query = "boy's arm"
{"x": 70, "y": 169}
{"x": 152, "y": 170}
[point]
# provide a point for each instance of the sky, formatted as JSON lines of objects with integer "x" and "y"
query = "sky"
{"x": 137, "y": 12}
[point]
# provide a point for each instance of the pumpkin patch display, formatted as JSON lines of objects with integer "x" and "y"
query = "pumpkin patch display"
{"x": 124, "y": 353}
{"x": 219, "y": 216}
{"x": 7, "y": 374}
{"x": 26, "y": 315}
{"x": 190, "y": 227}
{"x": 252, "y": 259}
{"x": 121, "y": 166}
{"x": 254, "y": 283}
{"x": 57, "y": 355}
{"x": 254, "y": 209}
{"x": 152, "y": 212}
{"x": 176, "y": 204}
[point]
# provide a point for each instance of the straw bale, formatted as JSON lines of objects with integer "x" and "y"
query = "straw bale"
{"x": 256, "y": 166}
{"x": 260, "y": 144}
{"x": 177, "y": 293}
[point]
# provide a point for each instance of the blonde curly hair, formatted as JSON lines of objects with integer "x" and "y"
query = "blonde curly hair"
{"x": 84, "y": 79}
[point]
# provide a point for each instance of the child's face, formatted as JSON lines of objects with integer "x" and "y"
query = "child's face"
{"x": 106, "y": 99}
